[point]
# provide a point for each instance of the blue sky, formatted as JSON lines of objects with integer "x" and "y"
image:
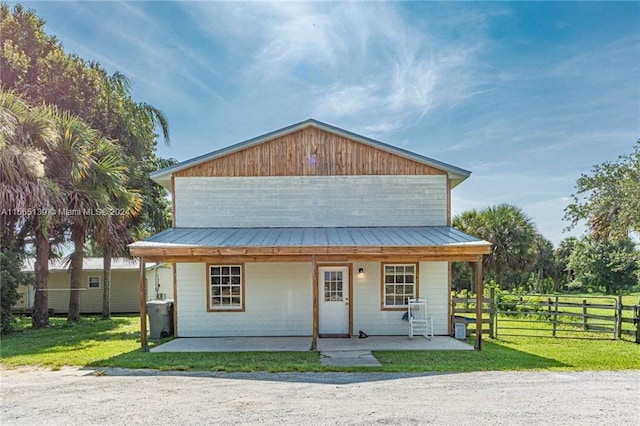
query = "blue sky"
{"x": 525, "y": 95}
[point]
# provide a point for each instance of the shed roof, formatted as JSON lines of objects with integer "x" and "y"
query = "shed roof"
{"x": 88, "y": 264}
{"x": 163, "y": 176}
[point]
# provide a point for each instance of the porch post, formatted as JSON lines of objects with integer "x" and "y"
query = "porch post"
{"x": 479, "y": 297}
{"x": 143, "y": 306}
{"x": 314, "y": 291}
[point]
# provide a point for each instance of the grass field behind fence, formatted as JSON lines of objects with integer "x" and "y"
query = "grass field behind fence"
{"x": 96, "y": 343}
{"x": 532, "y": 315}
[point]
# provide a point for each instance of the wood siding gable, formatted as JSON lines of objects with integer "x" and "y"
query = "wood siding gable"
{"x": 309, "y": 152}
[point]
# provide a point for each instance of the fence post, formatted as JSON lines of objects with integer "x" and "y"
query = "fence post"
{"x": 584, "y": 314}
{"x": 555, "y": 317}
{"x": 618, "y": 323}
{"x": 636, "y": 322}
{"x": 492, "y": 312}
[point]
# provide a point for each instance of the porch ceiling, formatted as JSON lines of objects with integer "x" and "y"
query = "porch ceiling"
{"x": 272, "y": 244}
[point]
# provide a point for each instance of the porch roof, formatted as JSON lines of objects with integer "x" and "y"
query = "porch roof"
{"x": 412, "y": 240}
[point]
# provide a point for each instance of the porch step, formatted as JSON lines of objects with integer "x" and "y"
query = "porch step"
{"x": 349, "y": 359}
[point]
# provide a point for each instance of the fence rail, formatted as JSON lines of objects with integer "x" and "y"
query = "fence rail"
{"x": 593, "y": 317}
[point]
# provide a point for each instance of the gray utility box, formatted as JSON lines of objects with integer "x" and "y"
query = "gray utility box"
{"x": 160, "y": 318}
{"x": 460, "y": 330}
{"x": 460, "y": 327}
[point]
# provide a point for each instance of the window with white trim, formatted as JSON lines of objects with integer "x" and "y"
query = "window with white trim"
{"x": 226, "y": 292}
{"x": 93, "y": 282}
{"x": 398, "y": 284}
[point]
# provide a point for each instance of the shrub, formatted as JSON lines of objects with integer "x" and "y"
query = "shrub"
{"x": 11, "y": 276}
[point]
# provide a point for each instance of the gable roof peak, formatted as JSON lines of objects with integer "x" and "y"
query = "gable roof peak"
{"x": 456, "y": 174}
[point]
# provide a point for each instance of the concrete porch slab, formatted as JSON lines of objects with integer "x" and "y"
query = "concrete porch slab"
{"x": 236, "y": 344}
{"x": 303, "y": 344}
{"x": 393, "y": 343}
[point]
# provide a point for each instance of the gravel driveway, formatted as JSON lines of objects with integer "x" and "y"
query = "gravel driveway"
{"x": 82, "y": 396}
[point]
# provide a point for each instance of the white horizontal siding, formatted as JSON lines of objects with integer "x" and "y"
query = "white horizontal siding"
{"x": 285, "y": 201}
{"x": 367, "y": 315}
{"x": 434, "y": 286}
{"x": 278, "y": 302}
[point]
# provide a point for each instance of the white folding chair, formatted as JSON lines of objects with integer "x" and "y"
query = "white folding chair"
{"x": 420, "y": 323}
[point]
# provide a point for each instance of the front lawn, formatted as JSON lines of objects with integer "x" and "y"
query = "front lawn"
{"x": 97, "y": 343}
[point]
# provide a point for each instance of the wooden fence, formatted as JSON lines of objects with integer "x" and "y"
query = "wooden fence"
{"x": 592, "y": 317}
{"x": 464, "y": 311}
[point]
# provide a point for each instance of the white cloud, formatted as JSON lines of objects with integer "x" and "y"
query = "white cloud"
{"x": 361, "y": 64}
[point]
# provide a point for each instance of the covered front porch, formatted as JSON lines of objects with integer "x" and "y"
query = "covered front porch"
{"x": 304, "y": 343}
{"x": 293, "y": 262}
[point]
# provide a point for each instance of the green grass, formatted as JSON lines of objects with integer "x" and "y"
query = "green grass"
{"x": 97, "y": 343}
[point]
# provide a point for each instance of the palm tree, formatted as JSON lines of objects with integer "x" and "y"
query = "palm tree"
{"x": 563, "y": 254}
{"x": 511, "y": 233}
{"x": 27, "y": 137}
{"x": 131, "y": 126}
{"x": 113, "y": 234}
{"x": 90, "y": 194}
{"x": 112, "y": 231}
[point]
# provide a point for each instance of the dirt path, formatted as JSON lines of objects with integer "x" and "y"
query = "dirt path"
{"x": 80, "y": 397}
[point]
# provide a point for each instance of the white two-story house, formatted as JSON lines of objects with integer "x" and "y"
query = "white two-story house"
{"x": 309, "y": 230}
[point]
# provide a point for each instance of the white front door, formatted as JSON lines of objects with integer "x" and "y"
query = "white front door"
{"x": 333, "y": 292}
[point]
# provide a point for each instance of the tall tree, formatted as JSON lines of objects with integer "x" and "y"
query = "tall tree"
{"x": 132, "y": 126}
{"x": 35, "y": 65}
{"x": 605, "y": 265}
{"x": 28, "y": 139}
{"x": 95, "y": 178}
{"x": 544, "y": 277}
{"x": 609, "y": 198}
{"x": 563, "y": 254}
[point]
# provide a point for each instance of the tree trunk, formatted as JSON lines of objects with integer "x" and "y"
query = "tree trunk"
{"x": 106, "y": 282}
{"x": 77, "y": 236}
{"x": 40, "y": 310}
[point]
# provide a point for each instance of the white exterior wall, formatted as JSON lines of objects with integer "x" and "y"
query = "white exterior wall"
{"x": 367, "y": 315}
{"x": 278, "y": 302}
{"x": 301, "y": 201}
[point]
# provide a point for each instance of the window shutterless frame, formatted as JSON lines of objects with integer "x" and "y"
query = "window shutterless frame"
{"x": 399, "y": 283}
{"x": 225, "y": 287}
{"x": 94, "y": 282}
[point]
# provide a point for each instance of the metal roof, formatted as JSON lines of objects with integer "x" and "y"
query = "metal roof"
{"x": 88, "y": 264}
{"x": 402, "y": 236}
{"x": 163, "y": 176}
